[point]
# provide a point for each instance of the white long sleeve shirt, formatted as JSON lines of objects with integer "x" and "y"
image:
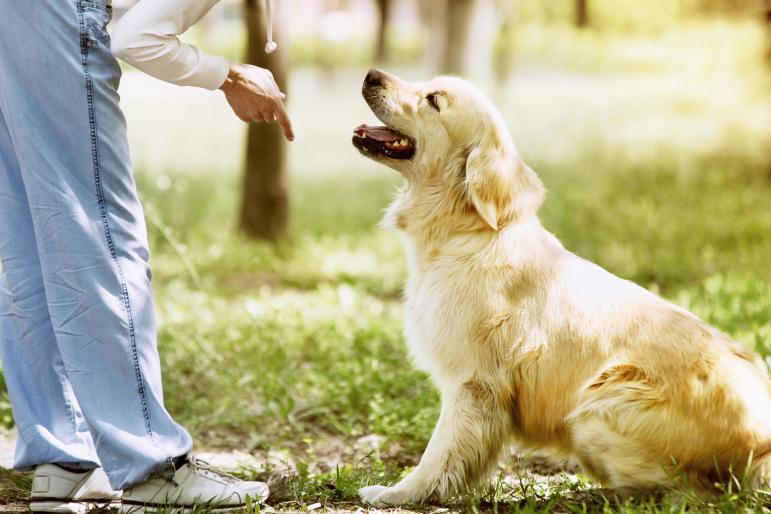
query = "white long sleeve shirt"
{"x": 146, "y": 38}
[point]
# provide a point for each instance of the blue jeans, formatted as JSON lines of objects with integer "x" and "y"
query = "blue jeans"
{"x": 77, "y": 323}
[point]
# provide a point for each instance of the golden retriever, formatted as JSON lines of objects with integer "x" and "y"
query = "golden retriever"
{"x": 530, "y": 344}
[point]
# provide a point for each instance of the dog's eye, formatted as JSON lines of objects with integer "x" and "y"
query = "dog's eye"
{"x": 431, "y": 97}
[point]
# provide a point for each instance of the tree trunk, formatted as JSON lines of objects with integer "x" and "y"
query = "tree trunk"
{"x": 582, "y": 14}
{"x": 434, "y": 15}
{"x": 503, "y": 47}
{"x": 384, "y": 9}
{"x": 768, "y": 31}
{"x": 459, "y": 18}
{"x": 767, "y": 16}
{"x": 265, "y": 204}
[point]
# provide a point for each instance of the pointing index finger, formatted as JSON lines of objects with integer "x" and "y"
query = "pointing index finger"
{"x": 283, "y": 119}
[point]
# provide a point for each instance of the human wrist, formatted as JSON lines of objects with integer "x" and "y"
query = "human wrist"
{"x": 234, "y": 76}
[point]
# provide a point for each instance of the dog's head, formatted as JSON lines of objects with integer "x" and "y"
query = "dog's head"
{"x": 452, "y": 145}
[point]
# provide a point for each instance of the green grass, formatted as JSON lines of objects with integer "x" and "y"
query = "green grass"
{"x": 521, "y": 493}
{"x": 299, "y": 340}
{"x": 655, "y": 153}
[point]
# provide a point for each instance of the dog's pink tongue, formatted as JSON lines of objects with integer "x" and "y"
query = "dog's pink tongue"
{"x": 382, "y": 134}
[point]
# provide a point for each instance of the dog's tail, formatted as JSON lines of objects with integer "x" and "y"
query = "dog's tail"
{"x": 761, "y": 472}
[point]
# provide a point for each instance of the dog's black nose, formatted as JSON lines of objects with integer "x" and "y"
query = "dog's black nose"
{"x": 373, "y": 76}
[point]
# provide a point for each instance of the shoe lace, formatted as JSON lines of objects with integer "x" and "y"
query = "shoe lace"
{"x": 201, "y": 465}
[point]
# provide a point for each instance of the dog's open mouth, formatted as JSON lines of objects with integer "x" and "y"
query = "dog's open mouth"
{"x": 384, "y": 141}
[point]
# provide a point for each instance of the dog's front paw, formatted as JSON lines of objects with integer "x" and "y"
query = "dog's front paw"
{"x": 381, "y": 496}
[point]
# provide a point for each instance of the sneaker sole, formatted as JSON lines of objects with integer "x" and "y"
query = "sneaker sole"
{"x": 64, "y": 507}
{"x": 135, "y": 508}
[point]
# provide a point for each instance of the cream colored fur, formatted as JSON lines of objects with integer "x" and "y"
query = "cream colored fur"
{"x": 532, "y": 345}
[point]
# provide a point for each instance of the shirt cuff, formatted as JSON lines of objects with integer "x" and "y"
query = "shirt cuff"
{"x": 214, "y": 71}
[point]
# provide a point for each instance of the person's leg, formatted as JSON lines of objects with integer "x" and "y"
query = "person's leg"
{"x": 58, "y": 83}
{"x": 51, "y": 426}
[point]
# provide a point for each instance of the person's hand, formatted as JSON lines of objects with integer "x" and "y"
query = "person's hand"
{"x": 254, "y": 96}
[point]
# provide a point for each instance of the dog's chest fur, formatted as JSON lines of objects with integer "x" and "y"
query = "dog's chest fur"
{"x": 449, "y": 298}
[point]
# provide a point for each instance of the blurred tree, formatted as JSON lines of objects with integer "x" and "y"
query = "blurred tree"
{"x": 582, "y": 13}
{"x": 768, "y": 30}
{"x": 768, "y": 44}
{"x": 384, "y": 9}
{"x": 448, "y": 23}
{"x": 548, "y": 10}
{"x": 265, "y": 204}
{"x": 503, "y": 47}
{"x": 434, "y": 14}
{"x": 458, "y": 22}
{"x": 725, "y": 7}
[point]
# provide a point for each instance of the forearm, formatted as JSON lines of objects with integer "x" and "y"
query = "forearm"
{"x": 146, "y": 38}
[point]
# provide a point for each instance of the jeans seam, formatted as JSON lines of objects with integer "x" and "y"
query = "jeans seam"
{"x": 94, "y": 5}
{"x": 67, "y": 400}
{"x": 103, "y": 213}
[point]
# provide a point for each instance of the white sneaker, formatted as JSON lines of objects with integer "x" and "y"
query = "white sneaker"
{"x": 60, "y": 491}
{"x": 195, "y": 483}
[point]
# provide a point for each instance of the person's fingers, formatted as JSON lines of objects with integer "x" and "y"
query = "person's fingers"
{"x": 267, "y": 111}
{"x": 256, "y": 115}
{"x": 283, "y": 96}
{"x": 284, "y": 121}
{"x": 269, "y": 117}
{"x": 251, "y": 115}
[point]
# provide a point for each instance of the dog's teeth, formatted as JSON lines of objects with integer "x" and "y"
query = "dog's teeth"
{"x": 404, "y": 142}
{"x": 363, "y": 135}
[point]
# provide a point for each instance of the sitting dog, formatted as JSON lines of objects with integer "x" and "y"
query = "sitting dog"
{"x": 530, "y": 344}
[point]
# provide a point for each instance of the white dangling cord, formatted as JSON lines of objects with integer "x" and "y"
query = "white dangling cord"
{"x": 271, "y": 46}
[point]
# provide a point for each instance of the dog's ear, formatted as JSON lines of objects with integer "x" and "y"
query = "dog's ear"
{"x": 488, "y": 181}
